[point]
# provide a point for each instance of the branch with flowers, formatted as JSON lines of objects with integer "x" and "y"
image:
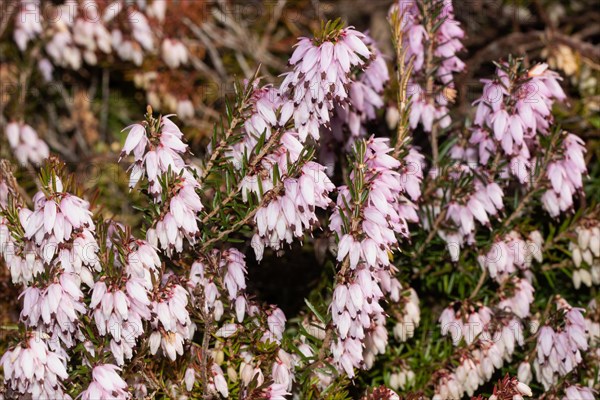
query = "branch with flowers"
{"x": 452, "y": 256}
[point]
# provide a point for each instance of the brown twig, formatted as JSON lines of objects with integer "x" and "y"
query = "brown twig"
{"x": 434, "y": 228}
{"x": 403, "y": 73}
{"x": 479, "y": 284}
{"x": 253, "y": 163}
{"x": 11, "y": 182}
{"x": 235, "y": 227}
{"x": 429, "y": 72}
{"x": 7, "y": 15}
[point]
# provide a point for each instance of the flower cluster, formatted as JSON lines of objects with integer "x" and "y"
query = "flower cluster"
{"x": 565, "y": 176}
{"x": 221, "y": 272}
{"x": 106, "y": 384}
{"x": 157, "y": 147}
{"x": 432, "y": 36}
{"x": 477, "y": 366}
{"x": 579, "y": 392}
{"x": 483, "y": 201}
{"x": 273, "y": 376}
{"x": 31, "y": 368}
{"x": 79, "y": 34}
{"x": 59, "y": 232}
{"x": 364, "y": 97}
{"x": 174, "y": 53}
{"x": 356, "y": 311}
{"x": 142, "y": 262}
{"x": 120, "y": 309}
{"x": 559, "y": 350}
{"x": 509, "y": 388}
{"x": 520, "y": 301}
{"x": 217, "y": 284}
{"x": 27, "y": 28}
{"x": 179, "y": 221}
{"x": 288, "y": 215}
{"x": 55, "y": 309}
{"x": 266, "y": 117}
{"x": 586, "y": 251}
{"x": 170, "y": 319}
{"x": 24, "y": 264}
{"x": 59, "y": 247}
{"x": 386, "y": 212}
{"x": 320, "y": 78}
{"x": 409, "y": 317}
{"x": 512, "y": 253}
{"x": 514, "y": 109}
{"x": 493, "y": 335}
{"x": 402, "y": 379}
{"x": 26, "y": 144}
{"x": 464, "y": 321}
{"x": 293, "y": 201}
{"x": 78, "y": 31}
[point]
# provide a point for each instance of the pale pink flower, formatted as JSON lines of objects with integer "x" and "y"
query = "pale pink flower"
{"x": 217, "y": 382}
{"x": 174, "y": 53}
{"x": 32, "y": 369}
{"x": 179, "y": 222}
{"x": 429, "y": 107}
{"x": 580, "y": 393}
{"x": 276, "y": 391}
{"x": 189, "y": 378}
{"x": 511, "y": 122}
{"x": 521, "y": 299}
{"x": 559, "y": 350}
{"x": 364, "y": 97}
{"x": 46, "y": 69}
{"x": 155, "y": 156}
{"x": 106, "y": 384}
{"x": 410, "y": 317}
{"x": 566, "y": 176}
{"x": 208, "y": 285}
{"x": 59, "y": 218}
{"x": 321, "y": 75}
{"x": 55, "y": 309}
{"x": 121, "y": 312}
{"x": 26, "y": 144}
{"x": 171, "y": 321}
{"x": 290, "y": 214}
{"x": 509, "y": 254}
{"x": 142, "y": 261}
{"x": 524, "y": 372}
{"x": 28, "y": 23}
{"x": 275, "y": 325}
{"x": 185, "y": 109}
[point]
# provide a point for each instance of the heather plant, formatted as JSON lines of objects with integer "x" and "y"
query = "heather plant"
{"x": 457, "y": 253}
